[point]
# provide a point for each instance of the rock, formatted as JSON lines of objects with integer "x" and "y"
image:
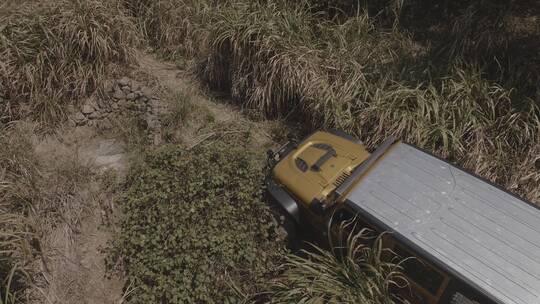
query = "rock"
{"x": 70, "y": 107}
{"x": 114, "y": 106}
{"x": 103, "y": 103}
{"x": 126, "y": 89}
{"x": 79, "y": 119}
{"x": 88, "y": 109}
{"x": 122, "y": 103}
{"x": 146, "y": 91}
{"x": 140, "y": 107}
{"x": 154, "y": 103}
{"x": 156, "y": 140}
{"x": 79, "y": 116}
{"x": 124, "y": 81}
{"x": 135, "y": 86}
{"x": 117, "y": 87}
{"x": 104, "y": 124}
{"x": 153, "y": 124}
{"x": 108, "y": 86}
{"x": 108, "y": 160}
{"x": 95, "y": 115}
{"x": 155, "y": 106}
{"x": 138, "y": 93}
{"x": 131, "y": 96}
{"x": 72, "y": 123}
{"x": 118, "y": 94}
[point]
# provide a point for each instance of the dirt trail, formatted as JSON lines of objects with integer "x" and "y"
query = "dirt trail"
{"x": 73, "y": 267}
{"x": 176, "y": 80}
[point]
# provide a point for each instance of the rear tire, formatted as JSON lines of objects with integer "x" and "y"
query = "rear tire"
{"x": 289, "y": 225}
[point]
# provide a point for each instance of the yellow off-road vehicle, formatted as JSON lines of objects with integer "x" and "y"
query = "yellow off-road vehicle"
{"x": 470, "y": 241}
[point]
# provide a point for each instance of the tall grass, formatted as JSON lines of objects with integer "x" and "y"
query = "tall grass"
{"x": 364, "y": 71}
{"x": 357, "y": 275}
{"x": 54, "y": 51}
{"x": 365, "y": 79}
{"x": 17, "y": 176}
{"x": 173, "y": 27}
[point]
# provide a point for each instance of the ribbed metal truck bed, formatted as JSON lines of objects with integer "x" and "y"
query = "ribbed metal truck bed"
{"x": 486, "y": 236}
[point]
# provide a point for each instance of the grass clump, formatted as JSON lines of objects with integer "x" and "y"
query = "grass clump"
{"x": 356, "y": 275}
{"x": 172, "y": 27}
{"x": 53, "y": 51}
{"x": 195, "y": 228}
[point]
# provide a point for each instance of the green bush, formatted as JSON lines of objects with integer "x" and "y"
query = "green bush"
{"x": 195, "y": 229}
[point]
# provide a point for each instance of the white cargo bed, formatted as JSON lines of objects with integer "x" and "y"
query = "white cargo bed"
{"x": 487, "y": 236}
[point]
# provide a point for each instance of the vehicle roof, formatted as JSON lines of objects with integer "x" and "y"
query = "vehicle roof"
{"x": 477, "y": 231}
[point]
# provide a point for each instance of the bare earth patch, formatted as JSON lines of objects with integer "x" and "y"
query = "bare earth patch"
{"x": 73, "y": 266}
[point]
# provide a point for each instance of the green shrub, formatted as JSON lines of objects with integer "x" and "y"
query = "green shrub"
{"x": 195, "y": 229}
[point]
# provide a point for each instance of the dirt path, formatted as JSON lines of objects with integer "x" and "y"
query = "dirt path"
{"x": 176, "y": 80}
{"x": 73, "y": 267}
{"x": 179, "y": 81}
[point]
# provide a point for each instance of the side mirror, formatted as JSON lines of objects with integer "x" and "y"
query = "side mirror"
{"x": 270, "y": 158}
{"x": 270, "y": 154}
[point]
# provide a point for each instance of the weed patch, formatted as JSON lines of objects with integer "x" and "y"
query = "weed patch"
{"x": 195, "y": 228}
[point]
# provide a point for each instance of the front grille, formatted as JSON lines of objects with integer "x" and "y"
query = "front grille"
{"x": 341, "y": 179}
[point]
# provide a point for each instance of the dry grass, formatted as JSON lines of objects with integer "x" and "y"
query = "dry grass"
{"x": 17, "y": 177}
{"x": 54, "y": 51}
{"x": 358, "y": 275}
{"x": 173, "y": 27}
{"x": 364, "y": 73}
{"x": 36, "y": 195}
{"x": 353, "y": 74}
